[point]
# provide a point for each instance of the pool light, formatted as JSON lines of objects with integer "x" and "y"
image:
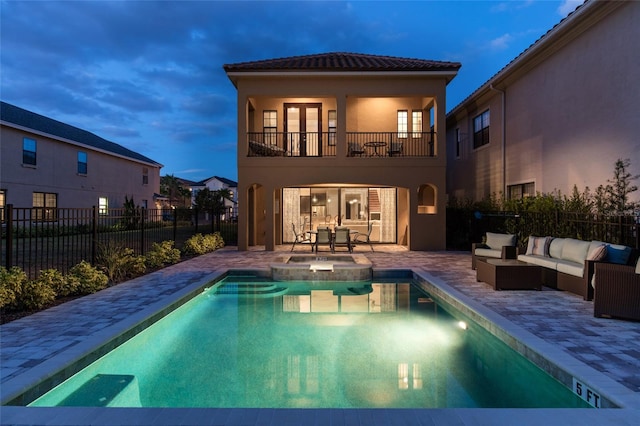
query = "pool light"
{"x": 462, "y": 325}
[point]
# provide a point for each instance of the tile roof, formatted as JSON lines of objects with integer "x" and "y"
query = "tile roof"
{"x": 342, "y": 61}
{"x": 224, "y": 180}
{"x": 21, "y": 117}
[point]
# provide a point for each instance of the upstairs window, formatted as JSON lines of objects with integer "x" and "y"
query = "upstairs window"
{"x": 145, "y": 176}
{"x": 333, "y": 126}
{"x": 82, "y": 163}
{"x": 521, "y": 190}
{"x": 103, "y": 206}
{"x": 45, "y": 207}
{"x": 3, "y": 205}
{"x": 458, "y": 142}
{"x": 403, "y": 123}
{"x": 481, "y": 130}
{"x": 416, "y": 123}
{"x": 270, "y": 126}
{"x": 29, "y": 151}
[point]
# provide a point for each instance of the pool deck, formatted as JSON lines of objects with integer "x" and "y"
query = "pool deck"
{"x": 559, "y": 323}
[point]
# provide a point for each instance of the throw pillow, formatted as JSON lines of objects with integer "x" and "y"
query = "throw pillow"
{"x": 598, "y": 253}
{"x": 638, "y": 266}
{"x": 618, "y": 254}
{"x": 539, "y": 246}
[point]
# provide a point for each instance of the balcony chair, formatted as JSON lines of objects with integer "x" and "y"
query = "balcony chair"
{"x": 364, "y": 238}
{"x": 323, "y": 237}
{"x": 300, "y": 238}
{"x": 617, "y": 291}
{"x": 395, "y": 149}
{"x": 355, "y": 149}
{"x": 341, "y": 239}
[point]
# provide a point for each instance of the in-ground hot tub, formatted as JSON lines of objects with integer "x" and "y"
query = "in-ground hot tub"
{"x": 353, "y": 267}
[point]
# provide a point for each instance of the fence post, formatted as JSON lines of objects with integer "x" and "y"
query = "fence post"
{"x": 9, "y": 245}
{"x": 175, "y": 224}
{"x": 94, "y": 235}
{"x": 142, "y": 214}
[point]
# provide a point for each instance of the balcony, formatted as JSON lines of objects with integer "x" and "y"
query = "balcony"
{"x": 358, "y": 144}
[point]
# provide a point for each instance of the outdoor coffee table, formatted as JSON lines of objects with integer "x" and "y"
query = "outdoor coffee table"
{"x": 509, "y": 274}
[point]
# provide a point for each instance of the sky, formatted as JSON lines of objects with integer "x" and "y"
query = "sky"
{"x": 148, "y": 74}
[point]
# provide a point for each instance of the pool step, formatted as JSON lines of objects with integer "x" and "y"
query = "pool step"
{"x": 251, "y": 289}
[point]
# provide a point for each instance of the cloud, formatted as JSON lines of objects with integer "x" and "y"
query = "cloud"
{"x": 568, "y": 6}
{"x": 502, "y": 42}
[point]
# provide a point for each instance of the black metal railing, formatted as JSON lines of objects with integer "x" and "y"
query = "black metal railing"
{"x": 361, "y": 144}
{"x": 76, "y": 234}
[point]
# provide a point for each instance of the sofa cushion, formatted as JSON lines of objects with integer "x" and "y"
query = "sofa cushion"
{"x": 497, "y": 241}
{"x": 485, "y": 252}
{"x": 638, "y": 266}
{"x": 538, "y": 245}
{"x": 597, "y": 253}
{"x": 545, "y": 262}
{"x": 575, "y": 250}
{"x": 618, "y": 254}
{"x": 570, "y": 268}
{"x": 555, "y": 248}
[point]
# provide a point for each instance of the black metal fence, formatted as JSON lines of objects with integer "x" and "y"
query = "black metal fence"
{"x": 36, "y": 239}
{"x": 465, "y": 226}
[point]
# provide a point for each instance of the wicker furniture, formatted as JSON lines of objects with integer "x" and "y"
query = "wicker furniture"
{"x": 495, "y": 246}
{"x": 617, "y": 291}
{"x": 509, "y": 274}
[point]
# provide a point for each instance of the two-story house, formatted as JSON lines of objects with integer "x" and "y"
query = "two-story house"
{"x": 216, "y": 183}
{"x": 48, "y": 164}
{"x": 342, "y": 139}
{"x": 559, "y": 115}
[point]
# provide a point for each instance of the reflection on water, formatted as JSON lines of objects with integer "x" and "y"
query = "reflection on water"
{"x": 320, "y": 345}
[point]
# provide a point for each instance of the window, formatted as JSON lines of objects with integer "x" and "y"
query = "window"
{"x": 481, "y": 129}
{"x": 44, "y": 207}
{"x": 416, "y": 123}
{"x": 103, "y": 206}
{"x": 458, "y": 143}
{"x": 29, "y": 151}
{"x": 333, "y": 124}
{"x": 145, "y": 176}
{"x": 270, "y": 127}
{"x": 521, "y": 190}
{"x": 82, "y": 163}
{"x": 2, "y": 204}
{"x": 402, "y": 123}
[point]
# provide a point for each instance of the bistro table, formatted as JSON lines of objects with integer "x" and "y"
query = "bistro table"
{"x": 375, "y": 145}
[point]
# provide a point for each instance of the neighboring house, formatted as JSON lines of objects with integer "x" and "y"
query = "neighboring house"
{"x": 216, "y": 183}
{"x": 342, "y": 138}
{"x": 559, "y": 115}
{"x": 48, "y": 164}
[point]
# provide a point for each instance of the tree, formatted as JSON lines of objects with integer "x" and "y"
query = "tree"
{"x": 172, "y": 188}
{"x": 620, "y": 187}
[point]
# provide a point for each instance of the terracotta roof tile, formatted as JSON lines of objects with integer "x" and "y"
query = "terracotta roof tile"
{"x": 342, "y": 61}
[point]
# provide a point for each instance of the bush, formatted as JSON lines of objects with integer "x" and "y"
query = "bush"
{"x": 162, "y": 254}
{"x": 87, "y": 279}
{"x": 201, "y": 244}
{"x": 36, "y": 295}
{"x": 119, "y": 262}
{"x": 59, "y": 283}
{"x": 11, "y": 284}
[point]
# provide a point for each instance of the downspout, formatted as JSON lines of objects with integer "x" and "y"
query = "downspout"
{"x": 504, "y": 143}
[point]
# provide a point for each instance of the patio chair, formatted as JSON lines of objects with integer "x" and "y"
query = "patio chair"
{"x": 617, "y": 291}
{"x": 364, "y": 238}
{"x": 395, "y": 149}
{"x": 341, "y": 239}
{"x": 355, "y": 149}
{"x": 300, "y": 238}
{"x": 323, "y": 237}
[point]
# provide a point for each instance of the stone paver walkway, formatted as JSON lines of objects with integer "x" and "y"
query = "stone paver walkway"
{"x": 563, "y": 320}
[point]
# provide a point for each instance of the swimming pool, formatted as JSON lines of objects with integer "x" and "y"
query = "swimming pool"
{"x": 248, "y": 342}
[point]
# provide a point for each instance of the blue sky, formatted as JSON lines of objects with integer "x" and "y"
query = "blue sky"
{"x": 148, "y": 74}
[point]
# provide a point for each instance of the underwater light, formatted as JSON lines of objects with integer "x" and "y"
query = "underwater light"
{"x": 462, "y": 325}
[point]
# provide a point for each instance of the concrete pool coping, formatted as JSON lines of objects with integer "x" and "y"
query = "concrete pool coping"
{"x": 67, "y": 416}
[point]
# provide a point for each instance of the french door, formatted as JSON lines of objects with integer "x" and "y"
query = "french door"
{"x": 302, "y": 126}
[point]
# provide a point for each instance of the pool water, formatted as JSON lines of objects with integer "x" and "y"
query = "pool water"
{"x": 252, "y": 343}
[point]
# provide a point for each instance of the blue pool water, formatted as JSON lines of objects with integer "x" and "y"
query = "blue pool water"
{"x": 251, "y": 343}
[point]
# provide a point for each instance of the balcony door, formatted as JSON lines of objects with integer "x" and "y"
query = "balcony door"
{"x": 303, "y": 124}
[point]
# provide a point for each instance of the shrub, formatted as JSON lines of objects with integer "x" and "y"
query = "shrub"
{"x": 201, "y": 244}
{"x": 119, "y": 262}
{"x": 11, "y": 283}
{"x": 58, "y": 282}
{"x": 86, "y": 278}
{"x": 162, "y": 254}
{"x": 36, "y": 295}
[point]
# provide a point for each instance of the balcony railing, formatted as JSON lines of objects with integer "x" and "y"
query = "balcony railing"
{"x": 358, "y": 144}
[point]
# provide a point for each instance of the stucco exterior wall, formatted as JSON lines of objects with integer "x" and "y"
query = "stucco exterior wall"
{"x": 571, "y": 110}
{"x": 56, "y": 172}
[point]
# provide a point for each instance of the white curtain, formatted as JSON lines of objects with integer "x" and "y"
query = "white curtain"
{"x": 387, "y": 215}
{"x": 290, "y": 213}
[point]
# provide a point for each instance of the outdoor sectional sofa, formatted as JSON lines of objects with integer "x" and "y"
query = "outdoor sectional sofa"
{"x": 569, "y": 264}
{"x": 496, "y": 246}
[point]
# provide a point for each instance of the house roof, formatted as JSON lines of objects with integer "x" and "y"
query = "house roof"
{"x": 226, "y": 181}
{"x": 342, "y": 61}
{"x": 546, "y": 39}
{"x": 30, "y": 120}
